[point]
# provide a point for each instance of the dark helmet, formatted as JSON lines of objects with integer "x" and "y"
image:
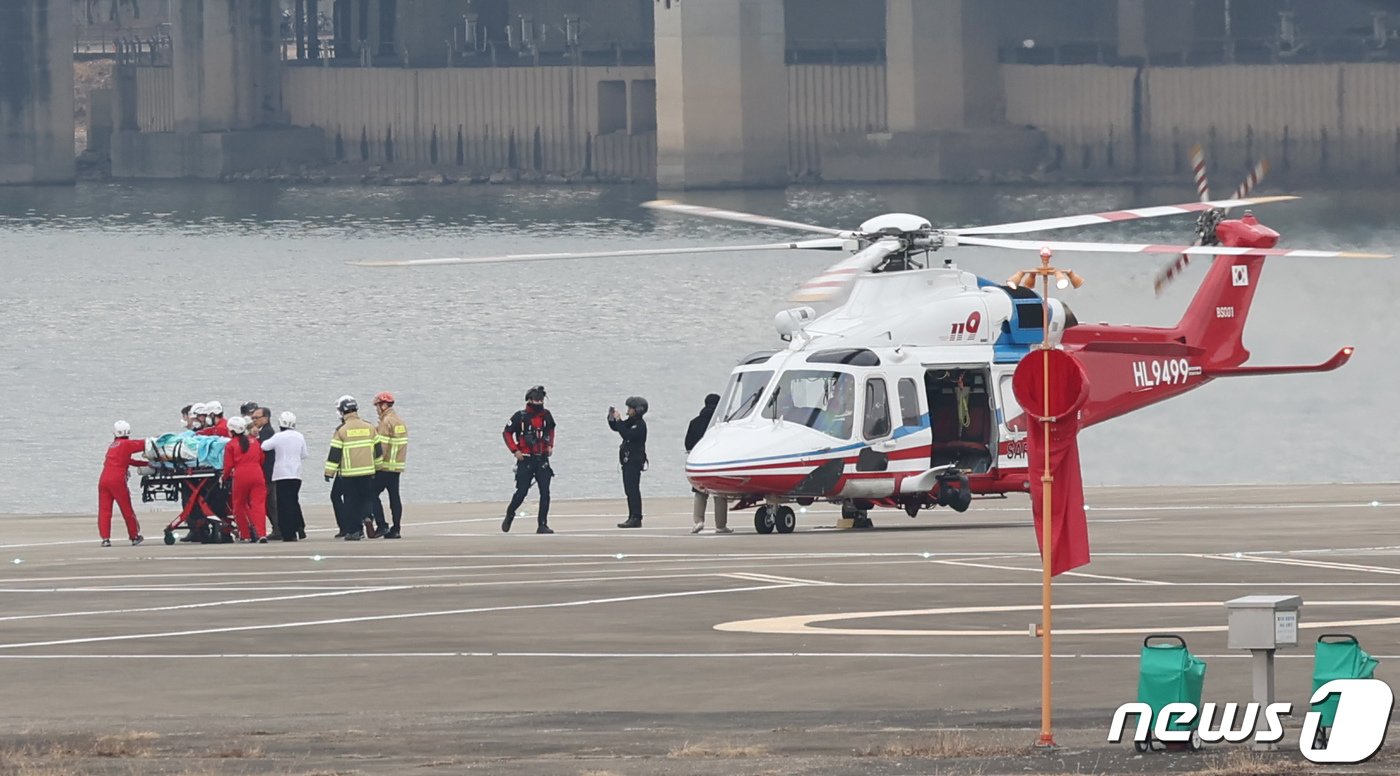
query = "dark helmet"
{"x": 247, "y": 408}
{"x": 637, "y": 403}
{"x": 712, "y": 400}
{"x": 535, "y": 394}
{"x": 347, "y": 404}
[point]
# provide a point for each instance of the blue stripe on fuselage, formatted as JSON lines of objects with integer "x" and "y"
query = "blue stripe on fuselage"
{"x": 902, "y": 431}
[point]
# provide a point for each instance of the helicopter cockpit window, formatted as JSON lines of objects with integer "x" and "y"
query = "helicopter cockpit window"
{"x": 824, "y": 401}
{"x": 877, "y": 409}
{"x": 742, "y": 394}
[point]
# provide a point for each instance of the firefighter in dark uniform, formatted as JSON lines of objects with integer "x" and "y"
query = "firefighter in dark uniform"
{"x": 632, "y": 455}
{"x": 530, "y": 438}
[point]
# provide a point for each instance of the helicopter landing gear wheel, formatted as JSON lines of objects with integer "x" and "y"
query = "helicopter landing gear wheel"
{"x": 961, "y": 499}
{"x": 785, "y": 520}
{"x": 764, "y": 520}
{"x": 954, "y": 491}
{"x": 859, "y": 517}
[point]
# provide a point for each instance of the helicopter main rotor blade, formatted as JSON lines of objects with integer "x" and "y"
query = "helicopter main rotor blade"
{"x": 838, "y": 278}
{"x": 1112, "y": 216}
{"x": 672, "y": 206}
{"x": 825, "y": 244}
{"x": 1194, "y": 250}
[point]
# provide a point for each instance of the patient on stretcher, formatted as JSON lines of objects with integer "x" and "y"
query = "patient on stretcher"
{"x": 185, "y": 450}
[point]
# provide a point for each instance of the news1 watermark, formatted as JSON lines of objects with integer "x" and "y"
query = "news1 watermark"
{"x": 1357, "y": 732}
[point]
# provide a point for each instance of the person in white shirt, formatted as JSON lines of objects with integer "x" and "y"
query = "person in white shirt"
{"x": 290, "y": 448}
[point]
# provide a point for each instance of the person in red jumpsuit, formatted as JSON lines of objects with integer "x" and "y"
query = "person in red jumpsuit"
{"x": 216, "y": 424}
{"x": 111, "y": 486}
{"x": 243, "y": 460}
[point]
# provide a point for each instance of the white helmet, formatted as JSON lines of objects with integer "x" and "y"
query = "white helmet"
{"x": 237, "y": 425}
{"x": 199, "y": 409}
{"x": 121, "y": 429}
{"x": 287, "y": 420}
{"x": 214, "y": 408}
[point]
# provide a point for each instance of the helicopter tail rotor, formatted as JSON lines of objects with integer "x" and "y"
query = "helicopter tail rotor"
{"x": 1209, "y": 219}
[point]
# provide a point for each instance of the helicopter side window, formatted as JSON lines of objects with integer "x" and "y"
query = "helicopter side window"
{"x": 823, "y": 401}
{"x": 742, "y": 394}
{"x": 877, "y": 409}
{"x": 909, "y": 411}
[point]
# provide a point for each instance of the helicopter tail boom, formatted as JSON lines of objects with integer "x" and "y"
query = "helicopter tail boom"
{"x": 1215, "y": 319}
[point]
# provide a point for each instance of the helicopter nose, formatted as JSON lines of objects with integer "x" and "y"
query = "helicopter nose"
{"x": 756, "y": 458}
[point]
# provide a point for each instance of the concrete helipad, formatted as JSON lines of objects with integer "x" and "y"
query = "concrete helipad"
{"x": 458, "y": 633}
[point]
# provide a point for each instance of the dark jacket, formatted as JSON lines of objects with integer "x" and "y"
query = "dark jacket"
{"x": 266, "y": 433}
{"x": 633, "y": 451}
{"x": 697, "y": 428}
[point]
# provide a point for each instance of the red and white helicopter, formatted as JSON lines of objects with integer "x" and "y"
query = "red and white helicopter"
{"x": 900, "y": 396}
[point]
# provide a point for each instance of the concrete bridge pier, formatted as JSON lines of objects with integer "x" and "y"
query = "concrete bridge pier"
{"x": 721, "y": 94}
{"x": 36, "y": 92}
{"x": 228, "y": 115}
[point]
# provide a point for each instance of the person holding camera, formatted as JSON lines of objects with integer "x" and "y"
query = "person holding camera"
{"x": 632, "y": 454}
{"x": 530, "y": 438}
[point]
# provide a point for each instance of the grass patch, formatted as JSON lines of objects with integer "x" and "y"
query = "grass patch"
{"x": 236, "y": 752}
{"x": 948, "y": 744}
{"x": 129, "y": 744}
{"x": 1246, "y": 762}
{"x": 716, "y": 750}
{"x": 126, "y": 744}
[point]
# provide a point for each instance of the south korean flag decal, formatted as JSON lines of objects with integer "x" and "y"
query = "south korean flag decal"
{"x": 1239, "y": 275}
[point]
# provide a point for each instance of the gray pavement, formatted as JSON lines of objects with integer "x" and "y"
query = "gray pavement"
{"x": 603, "y": 650}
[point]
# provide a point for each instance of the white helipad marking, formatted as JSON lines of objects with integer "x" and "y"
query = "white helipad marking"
{"x": 1133, "y": 580}
{"x": 633, "y": 655}
{"x": 384, "y": 617}
{"x": 1317, "y": 564}
{"x": 201, "y": 605}
{"x": 803, "y": 624}
{"x": 753, "y": 577}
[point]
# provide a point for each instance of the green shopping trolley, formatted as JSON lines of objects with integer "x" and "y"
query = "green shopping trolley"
{"x": 1169, "y": 673}
{"x": 1337, "y": 656}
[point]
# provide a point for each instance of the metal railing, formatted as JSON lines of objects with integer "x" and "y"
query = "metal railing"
{"x": 1211, "y": 51}
{"x": 154, "y": 51}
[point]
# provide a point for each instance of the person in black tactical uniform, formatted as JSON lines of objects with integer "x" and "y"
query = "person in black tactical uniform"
{"x": 632, "y": 455}
{"x": 530, "y": 438}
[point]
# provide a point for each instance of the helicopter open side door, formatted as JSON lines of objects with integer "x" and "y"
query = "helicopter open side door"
{"x": 962, "y": 417}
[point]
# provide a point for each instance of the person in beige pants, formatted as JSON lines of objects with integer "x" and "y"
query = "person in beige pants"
{"x": 693, "y": 434}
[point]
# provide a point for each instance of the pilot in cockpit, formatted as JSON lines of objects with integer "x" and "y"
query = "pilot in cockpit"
{"x": 838, "y": 416}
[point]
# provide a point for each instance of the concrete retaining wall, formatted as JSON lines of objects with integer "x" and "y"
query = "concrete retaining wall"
{"x": 829, "y": 100}
{"x": 1307, "y": 120}
{"x": 1101, "y": 122}
{"x": 558, "y": 120}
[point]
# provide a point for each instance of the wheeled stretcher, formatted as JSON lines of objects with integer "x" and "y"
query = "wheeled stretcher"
{"x": 200, "y": 491}
{"x": 186, "y": 468}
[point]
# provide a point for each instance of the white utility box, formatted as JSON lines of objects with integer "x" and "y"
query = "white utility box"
{"x": 1264, "y": 621}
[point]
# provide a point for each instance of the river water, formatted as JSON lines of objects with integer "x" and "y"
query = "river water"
{"x": 129, "y": 301}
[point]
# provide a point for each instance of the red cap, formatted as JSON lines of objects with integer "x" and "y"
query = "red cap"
{"x": 384, "y": 397}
